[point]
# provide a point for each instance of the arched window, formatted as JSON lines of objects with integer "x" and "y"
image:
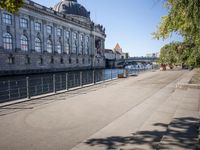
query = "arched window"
{"x": 24, "y": 43}
{"x": 59, "y": 48}
{"x": 7, "y": 41}
{"x": 38, "y": 45}
{"x": 49, "y": 46}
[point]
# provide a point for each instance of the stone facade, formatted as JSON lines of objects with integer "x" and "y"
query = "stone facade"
{"x": 39, "y": 39}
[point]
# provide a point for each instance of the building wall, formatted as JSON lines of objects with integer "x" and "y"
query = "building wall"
{"x": 110, "y": 56}
{"x": 33, "y": 60}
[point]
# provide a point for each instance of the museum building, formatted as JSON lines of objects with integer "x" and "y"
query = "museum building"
{"x": 38, "y": 39}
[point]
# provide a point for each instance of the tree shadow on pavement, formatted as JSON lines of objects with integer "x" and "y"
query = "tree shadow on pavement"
{"x": 182, "y": 133}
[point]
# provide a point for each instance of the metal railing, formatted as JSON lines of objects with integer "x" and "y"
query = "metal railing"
{"x": 29, "y": 86}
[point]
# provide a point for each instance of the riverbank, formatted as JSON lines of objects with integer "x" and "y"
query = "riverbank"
{"x": 122, "y": 114}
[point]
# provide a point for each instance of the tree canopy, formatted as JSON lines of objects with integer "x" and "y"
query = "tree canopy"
{"x": 179, "y": 53}
{"x": 183, "y": 18}
{"x": 11, "y": 5}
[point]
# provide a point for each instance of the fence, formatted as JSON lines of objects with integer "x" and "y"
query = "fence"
{"x": 29, "y": 86}
{"x": 20, "y": 87}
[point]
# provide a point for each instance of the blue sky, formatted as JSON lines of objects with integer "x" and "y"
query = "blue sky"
{"x": 127, "y": 22}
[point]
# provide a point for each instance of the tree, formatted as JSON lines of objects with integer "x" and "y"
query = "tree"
{"x": 183, "y": 18}
{"x": 168, "y": 54}
{"x": 11, "y": 5}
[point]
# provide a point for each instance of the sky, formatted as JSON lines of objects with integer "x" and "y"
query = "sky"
{"x": 128, "y": 22}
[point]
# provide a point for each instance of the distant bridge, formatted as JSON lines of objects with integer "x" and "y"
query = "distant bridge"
{"x": 133, "y": 60}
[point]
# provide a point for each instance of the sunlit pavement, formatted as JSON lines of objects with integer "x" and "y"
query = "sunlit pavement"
{"x": 144, "y": 112}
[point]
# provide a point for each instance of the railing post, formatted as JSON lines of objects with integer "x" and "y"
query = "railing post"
{"x": 42, "y": 82}
{"x": 66, "y": 81}
{"x": 81, "y": 78}
{"x": 54, "y": 83}
{"x": 27, "y": 88}
{"x": 111, "y": 74}
{"x": 94, "y": 77}
{"x": 104, "y": 75}
{"x": 9, "y": 94}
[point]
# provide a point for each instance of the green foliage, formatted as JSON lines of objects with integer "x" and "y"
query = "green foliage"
{"x": 11, "y": 5}
{"x": 179, "y": 53}
{"x": 183, "y": 18}
{"x": 168, "y": 54}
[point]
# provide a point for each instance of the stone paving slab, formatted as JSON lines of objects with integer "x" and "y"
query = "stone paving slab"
{"x": 125, "y": 133}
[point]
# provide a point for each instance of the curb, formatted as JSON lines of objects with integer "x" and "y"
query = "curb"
{"x": 184, "y": 83}
{"x": 187, "y": 85}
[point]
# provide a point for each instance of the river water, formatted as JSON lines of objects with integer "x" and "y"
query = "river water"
{"x": 19, "y": 87}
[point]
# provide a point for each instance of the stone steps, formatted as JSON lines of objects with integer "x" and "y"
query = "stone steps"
{"x": 182, "y": 132}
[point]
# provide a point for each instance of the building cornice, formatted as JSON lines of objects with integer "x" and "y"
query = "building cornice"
{"x": 49, "y": 12}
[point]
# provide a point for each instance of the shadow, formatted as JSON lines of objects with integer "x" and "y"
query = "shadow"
{"x": 181, "y": 132}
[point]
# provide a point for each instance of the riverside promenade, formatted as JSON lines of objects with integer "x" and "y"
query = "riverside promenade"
{"x": 138, "y": 113}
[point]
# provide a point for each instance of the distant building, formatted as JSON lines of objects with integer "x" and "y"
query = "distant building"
{"x": 119, "y": 50}
{"x": 109, "y": 54}
{"x": 156, "y": 55}
{"x": 110, "y": 57}
{"x": 39, "y": 39}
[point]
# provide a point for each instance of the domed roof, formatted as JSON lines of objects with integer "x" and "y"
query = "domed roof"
{"x": 71, "y": 7}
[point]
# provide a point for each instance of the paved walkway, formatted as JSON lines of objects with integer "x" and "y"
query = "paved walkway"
{"x": 145, "y": 112}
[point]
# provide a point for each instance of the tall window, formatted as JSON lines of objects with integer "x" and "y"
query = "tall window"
{"x": 67, "y": 48}
{"x": 49, "y": 46}
{"x": 38, "y": 45}
{"x": 24, "y": 43}
{"x": 49, "y": 29}
{"x": 87, "y": 45}
{"x": 38, "y": 26}
{"x": 67, "y": 34}
{"x": 59, "y": 32}
{"x": 74, "y": 43}
{"x": 67, "y": 45}
{"x": 23, "y": 23}
{"x": 59, "y": 48}
{"x": 7, "y": 19}
{"x": 7, "y": 41}
{"x": 81, "y": 47}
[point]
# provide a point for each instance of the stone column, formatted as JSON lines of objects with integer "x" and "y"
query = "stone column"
{"x": 78, "y": 43}
{"x": 1, "y": 31}
{"x": 31, "y": 29}
{"x": 70, "y": 41}
{"x": 44, "y": 34}
{"x": 16, "y": 33}
{"x": 54, "y": 39}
